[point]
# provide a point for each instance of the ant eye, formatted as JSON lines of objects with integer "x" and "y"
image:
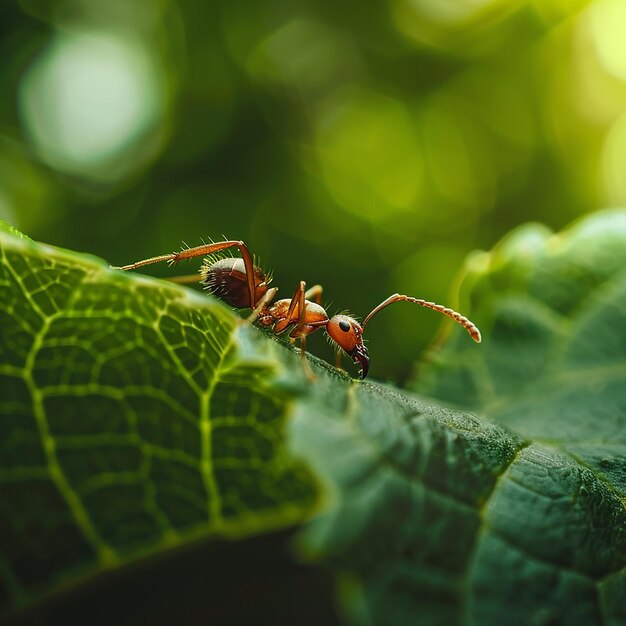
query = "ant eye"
{"x": 344, "y": 326}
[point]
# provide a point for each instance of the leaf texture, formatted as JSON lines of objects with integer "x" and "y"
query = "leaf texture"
{"x": 518, "y": 517}
{"x": 137, "y": 417}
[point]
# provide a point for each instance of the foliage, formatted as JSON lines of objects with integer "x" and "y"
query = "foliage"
{"x": 138, "y": 417}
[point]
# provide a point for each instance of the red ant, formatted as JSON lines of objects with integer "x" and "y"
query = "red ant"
{"x": 238, "y": 282}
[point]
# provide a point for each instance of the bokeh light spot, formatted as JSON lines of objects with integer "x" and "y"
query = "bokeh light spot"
{"x": 608, "y": 20}
{"x": 369, "y": 154}
{"x": 87, "y": 98}
{"x": 449, "y": 24}
{"x": 304, "y": 53}
{"x": 553, "y": 11}
{"x": 613, "y": 159}
{"x": 448, "y": 11}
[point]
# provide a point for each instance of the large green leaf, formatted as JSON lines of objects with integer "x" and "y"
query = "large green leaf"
{"x": 438, "y": 518}
{"x": 553, "y": 365}
{"x": 137, "y": 417}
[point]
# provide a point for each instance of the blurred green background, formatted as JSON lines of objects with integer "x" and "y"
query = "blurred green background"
{"x": 365, "y": 146}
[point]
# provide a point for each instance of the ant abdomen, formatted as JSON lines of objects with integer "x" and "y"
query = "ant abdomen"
{"x": 226, "y": 280}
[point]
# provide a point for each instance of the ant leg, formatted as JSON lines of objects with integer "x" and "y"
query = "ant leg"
{"x": 205, "y": 250}
{"x": 298, "y": 300}
{"x": 263, "y": 302}
{"x": 314, "y": 293}
{"x": 338, "y": 360}
{"x": 305, "y": 364}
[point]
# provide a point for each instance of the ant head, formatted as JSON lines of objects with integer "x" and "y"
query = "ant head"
{"x": 347, "y": 333}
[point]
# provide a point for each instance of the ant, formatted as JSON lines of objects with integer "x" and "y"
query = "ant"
{"x": 241, "y": 284}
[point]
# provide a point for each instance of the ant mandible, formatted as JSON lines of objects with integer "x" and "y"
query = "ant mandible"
{"x": 241, "y": 284}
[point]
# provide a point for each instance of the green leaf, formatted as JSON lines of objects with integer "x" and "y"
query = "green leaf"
{"x": 137, "y": 417}
{"x": 553, "y": 363}
{"x": 435, "y": 517}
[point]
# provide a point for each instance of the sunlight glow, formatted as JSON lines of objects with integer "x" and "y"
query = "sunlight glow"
{"x": 608, "y": 20}
{"x": 613, "y": 160}
{"x": 87, "y": 99}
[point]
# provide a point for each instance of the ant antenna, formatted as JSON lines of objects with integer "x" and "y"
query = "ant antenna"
{"x": 469, "y": 326}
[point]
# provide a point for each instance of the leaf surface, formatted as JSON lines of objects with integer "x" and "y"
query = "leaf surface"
{"x": 137, "y": 417}
{"x": 553, "y": 366}
{"x": 440, "y": 518}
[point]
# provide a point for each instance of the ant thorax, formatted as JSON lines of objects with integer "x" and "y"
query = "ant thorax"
{"x": 226, "y": 279}
{"x": 278, "y": 316}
